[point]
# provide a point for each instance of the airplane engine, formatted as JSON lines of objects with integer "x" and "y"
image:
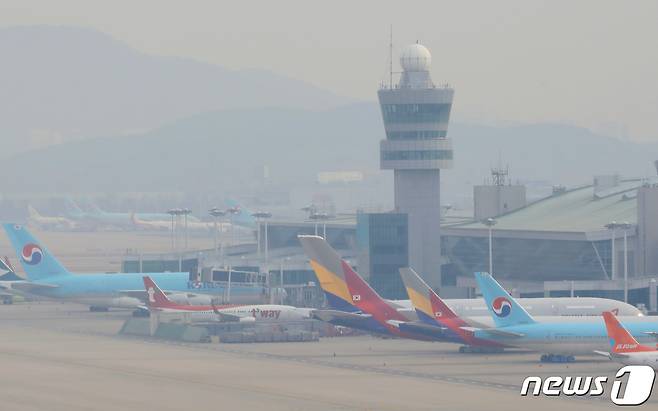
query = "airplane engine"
{"x": 179, "y": 298}
{"x": 186, "y": 299}
{"x": 200, "y": 300}
{"x": 125, "y": 302}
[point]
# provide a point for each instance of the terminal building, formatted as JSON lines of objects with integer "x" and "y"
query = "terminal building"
{"x": 577, "y": 241}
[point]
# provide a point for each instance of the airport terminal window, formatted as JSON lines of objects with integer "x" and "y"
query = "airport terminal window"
{"x": 416, "y": 134}
{"x": 415, "y": 113}
{"x": 418, "y": 155}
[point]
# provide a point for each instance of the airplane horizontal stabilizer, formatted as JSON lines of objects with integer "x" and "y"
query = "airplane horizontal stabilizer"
{"x": 417, "y": 327}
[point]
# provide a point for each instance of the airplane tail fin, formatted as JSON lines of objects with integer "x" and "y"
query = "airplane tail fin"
{"x": 72, "y": 206}
{"x": 32, "y": 212}
{"x": 156, "y": 297}
{"x": 95, "y": 208}
{"x": 621, "y": 341}
{"x": 504, "y": 309}
{"x": 240, "y": 215}
{"x": 134, "y": 220}
{"x": 7, "y": 272}
{"x": 35, "y": 258}
{"x": 329, "y": 269}
{"x": 428, "y": 305}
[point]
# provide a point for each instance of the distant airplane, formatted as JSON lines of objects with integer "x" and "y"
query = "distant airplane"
{"x": 100, "y": 218}
{"x": 624, "y": 348}
{"x": 48, "y": 278}
{"x": 559, "y": 339}
{"x": 107, "y": 215}
{"x": 437, "y": 320}
{"x": 159, "y": 302}
{"x": 163, "y": 225}
{"x": 46, "y": 222}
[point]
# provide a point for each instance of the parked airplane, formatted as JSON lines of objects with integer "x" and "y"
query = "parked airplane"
{"x": 159, "y": 302}
{"x": 624, "y": 347}
{"x": 98, "y": 217}
{"x": 437, "y": 320}
{"x": 162, "y": 225}
{"x": 331, "y": 272}
{"x": 108, "y": 215}
{"x": 47, "y": 222}
{"x": 48, "y": 278}
{"x": 558, "y": 339}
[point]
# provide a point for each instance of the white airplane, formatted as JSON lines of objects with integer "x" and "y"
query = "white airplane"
{"x": 159, "y": 302}
{"x": 47, "y": 222}
{"x": 625, "y": 348}
{"x": 162, "y": 225}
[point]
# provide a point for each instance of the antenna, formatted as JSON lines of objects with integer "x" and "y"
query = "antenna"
{"x": 390, "y": 60}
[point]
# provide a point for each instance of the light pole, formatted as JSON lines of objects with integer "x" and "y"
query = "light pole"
{"x": 490, "y": 222}
{"x": 281, "y": 279}
{"x": 185, "y": 212}
{"x": 262, "y": 216}
{"x": 312, "y": 209}
{"x": 321, "y": 217}
{"x": 233, "y": 211}
{"x": 216, "y": 213}
{"x": 612, "y": 226}
{"x": 173, "y": 212}
{"x": 625, "y": 226}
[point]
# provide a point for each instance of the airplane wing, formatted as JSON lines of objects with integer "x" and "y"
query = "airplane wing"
{"x": 495, "y": 332}
{"x": 139, "y": 294}
{"x": 611, "y": 355}
{"x": 336, "y": 315}
{"x": 417, "y": 327}
{"x": 28, "y": 286}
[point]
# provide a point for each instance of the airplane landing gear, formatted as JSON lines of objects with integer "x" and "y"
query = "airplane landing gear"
{"x": 555, "y": 358}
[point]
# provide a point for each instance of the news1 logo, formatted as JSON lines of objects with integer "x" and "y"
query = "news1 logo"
{"x": 637, "y": 390}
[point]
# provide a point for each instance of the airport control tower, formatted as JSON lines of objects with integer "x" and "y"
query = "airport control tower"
{"x": 416, "y": 114}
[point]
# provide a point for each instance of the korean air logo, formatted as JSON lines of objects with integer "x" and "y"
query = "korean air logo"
{"x": 32, "y": 254}
{"x": 502, "y": 307}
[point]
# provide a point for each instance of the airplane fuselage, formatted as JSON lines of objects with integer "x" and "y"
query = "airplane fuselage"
{"x": 109, "y": 290}
{"x": 571, "y": 337}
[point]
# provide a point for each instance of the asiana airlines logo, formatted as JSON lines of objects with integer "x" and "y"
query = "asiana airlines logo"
{"x": 636, "y": 390}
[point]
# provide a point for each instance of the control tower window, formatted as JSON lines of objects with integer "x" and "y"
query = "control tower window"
{"x": 418, "y": 155}
{"x": 416, "y": 134}
{"x": 415, "y": 113}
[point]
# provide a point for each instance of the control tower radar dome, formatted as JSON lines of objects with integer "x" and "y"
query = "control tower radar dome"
{"x": 415, "y": 57}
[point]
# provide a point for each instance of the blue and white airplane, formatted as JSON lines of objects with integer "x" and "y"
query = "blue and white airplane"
{"x": 47, "y": 277}
{"x": 557, "y": 339}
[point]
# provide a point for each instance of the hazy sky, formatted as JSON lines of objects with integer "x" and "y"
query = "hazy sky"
{"x": 589, "y": 63}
